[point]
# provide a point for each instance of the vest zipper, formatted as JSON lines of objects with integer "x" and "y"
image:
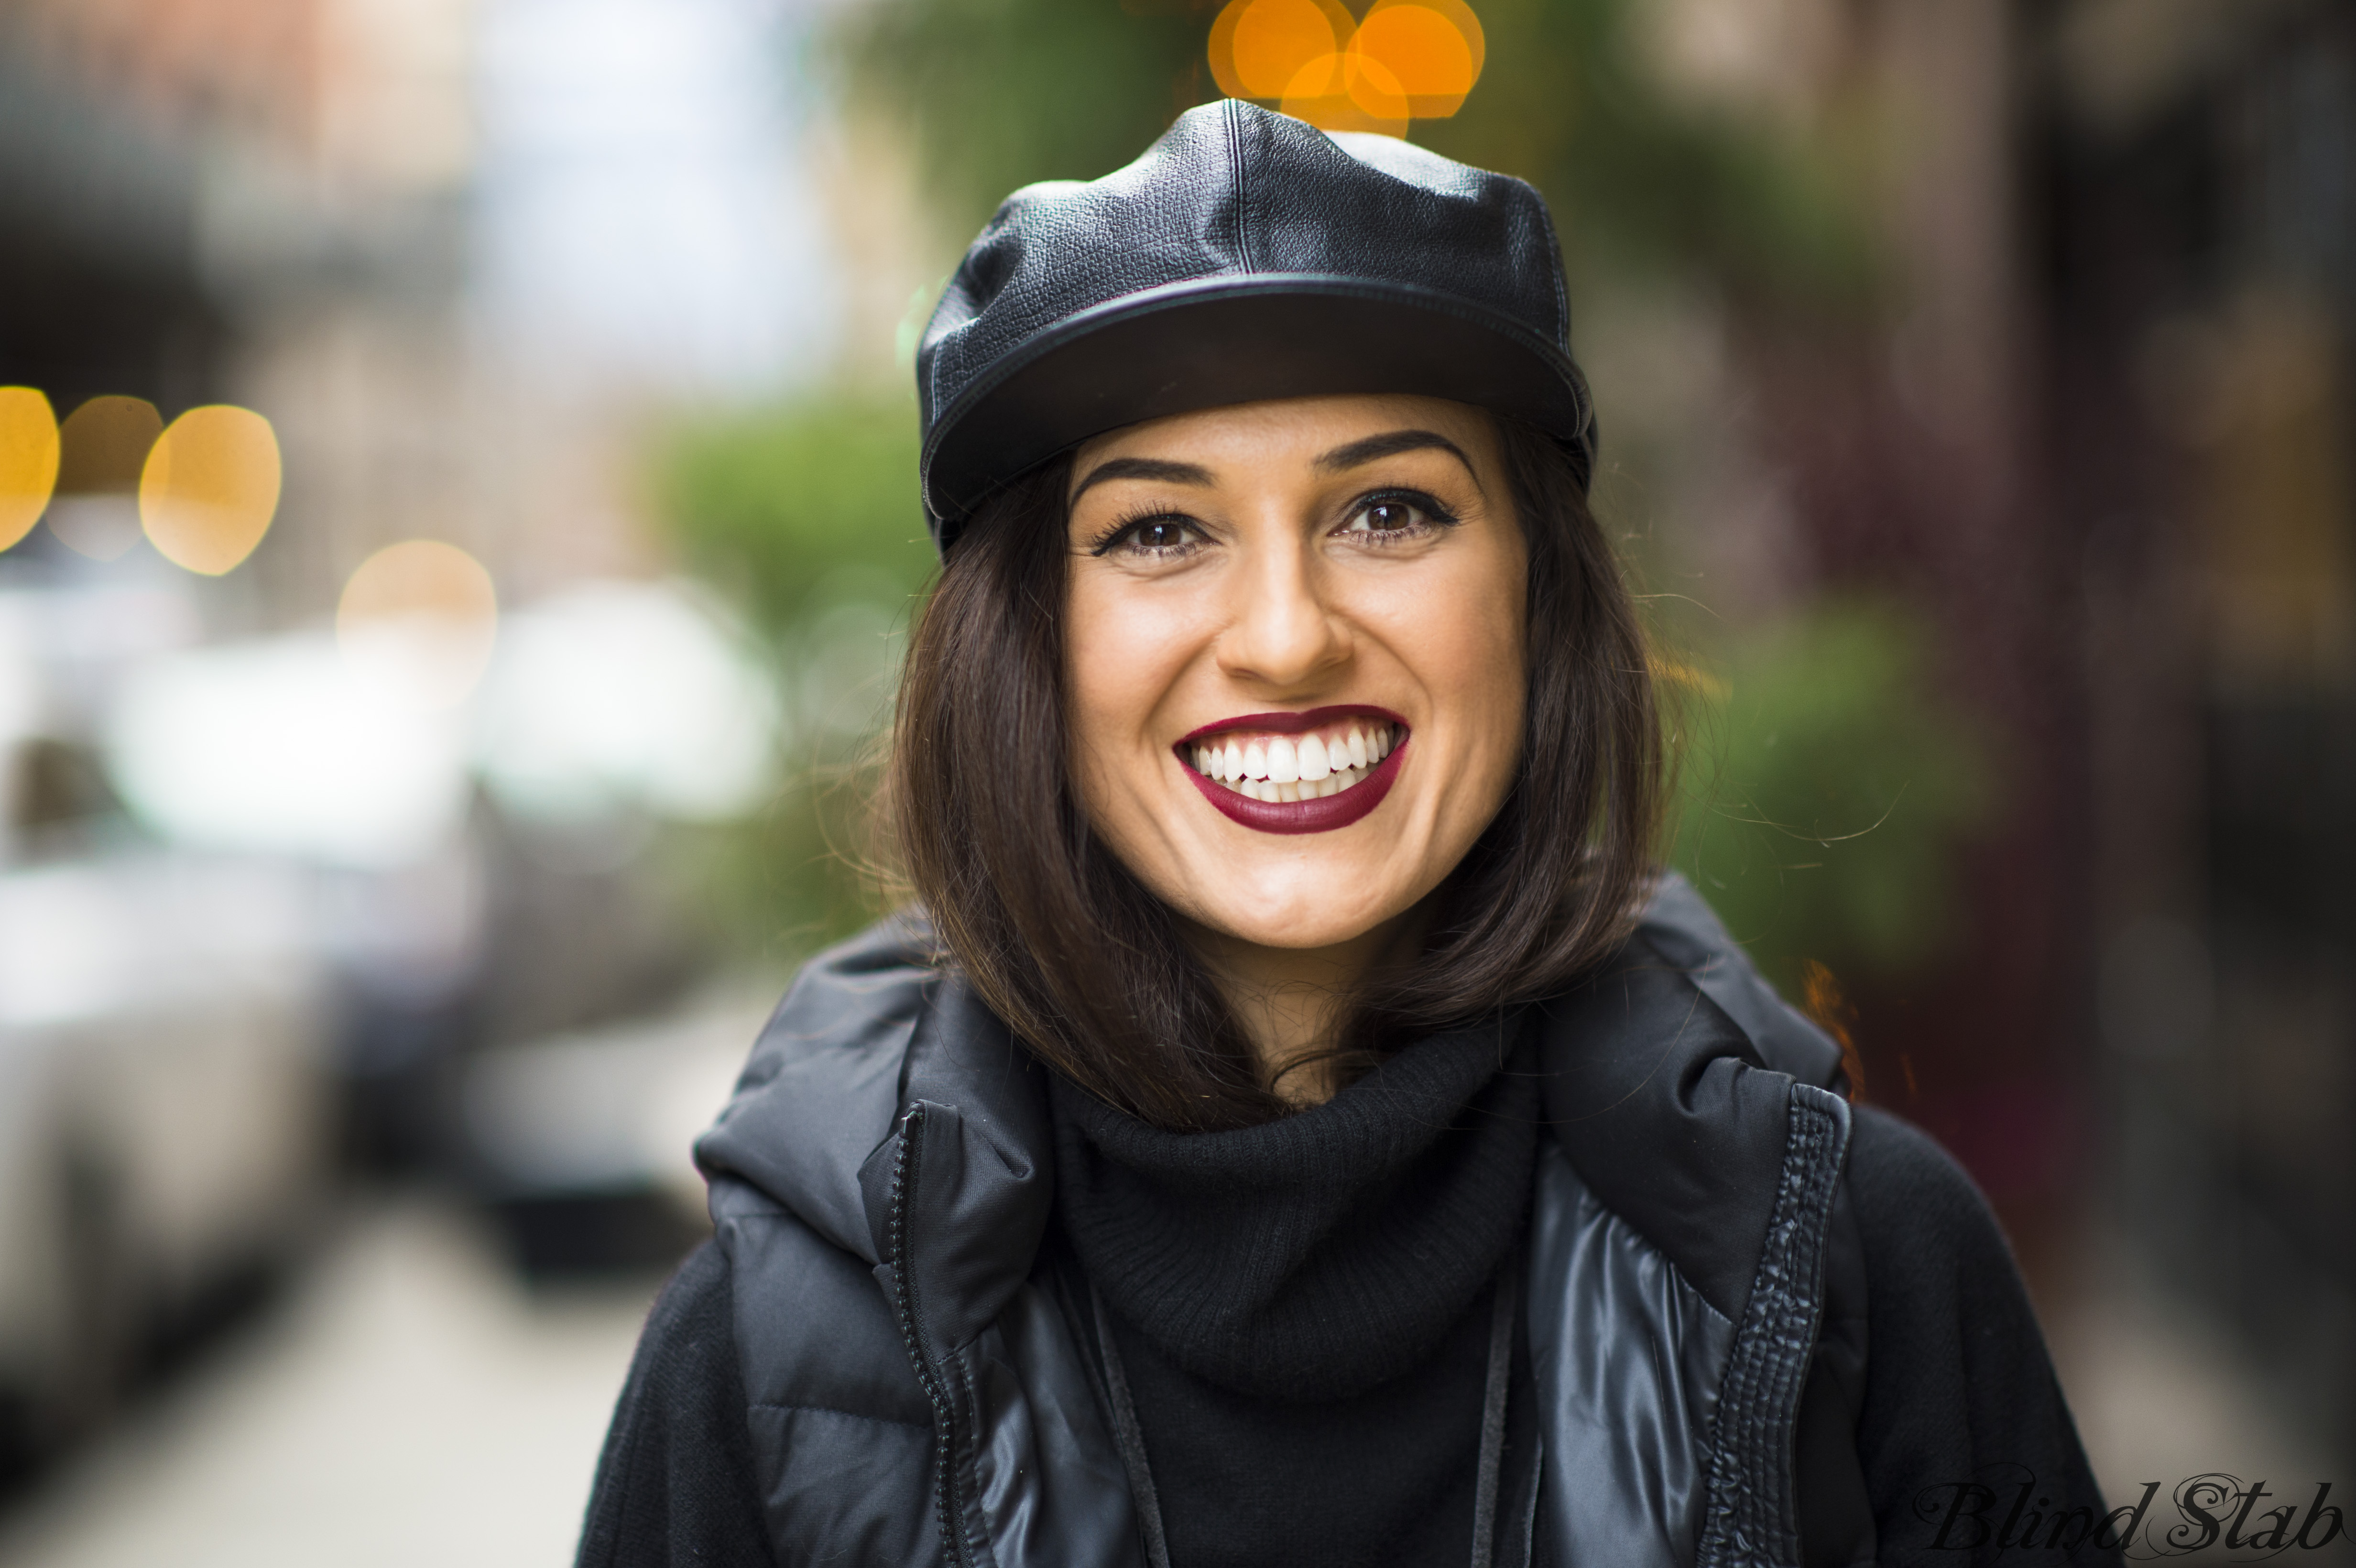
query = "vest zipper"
{"x": 903, "y": 1305}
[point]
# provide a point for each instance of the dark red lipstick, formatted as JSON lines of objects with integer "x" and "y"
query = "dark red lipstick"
{"x": 1323, "y": 813}
{"x": 1293, "y": 724}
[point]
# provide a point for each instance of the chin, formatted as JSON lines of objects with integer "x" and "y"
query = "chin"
{"x": 1302, "y": 929}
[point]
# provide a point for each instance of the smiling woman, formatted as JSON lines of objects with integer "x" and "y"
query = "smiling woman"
{"x": 1298, "y": 1121}
{"x": 1264, "y": 574}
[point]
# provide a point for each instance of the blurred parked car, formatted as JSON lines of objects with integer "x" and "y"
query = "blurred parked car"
{"x": 260, "y": 907}
{"x": 484, "y": 852}
{"x": 164, "y": 1120}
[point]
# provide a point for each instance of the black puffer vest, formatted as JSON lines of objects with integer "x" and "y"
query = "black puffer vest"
{"x": 882, "y": 1181}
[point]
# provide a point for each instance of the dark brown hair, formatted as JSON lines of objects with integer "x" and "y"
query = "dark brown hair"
{"x": 1090, "y": 968}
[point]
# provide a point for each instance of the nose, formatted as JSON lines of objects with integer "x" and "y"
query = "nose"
{"x": 1281, "y": 631}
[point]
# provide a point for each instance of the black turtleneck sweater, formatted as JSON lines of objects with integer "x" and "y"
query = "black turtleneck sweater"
{"x": 1302, "y": 1308}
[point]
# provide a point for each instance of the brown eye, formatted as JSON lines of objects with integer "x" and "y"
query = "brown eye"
{"x": 1391, "y": 515}
{"x": 1163, "y": 537}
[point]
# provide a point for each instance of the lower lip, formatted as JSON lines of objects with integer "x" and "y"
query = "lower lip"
{"x": 1321, "y": 815}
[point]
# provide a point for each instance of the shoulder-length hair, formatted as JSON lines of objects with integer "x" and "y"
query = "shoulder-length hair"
{"x": 1089, "y": 969}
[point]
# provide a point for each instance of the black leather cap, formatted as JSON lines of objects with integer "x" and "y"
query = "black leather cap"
{"x": 1246, "y": 255}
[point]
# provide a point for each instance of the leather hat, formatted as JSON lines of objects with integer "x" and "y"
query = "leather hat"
{"x": 1246, "y": 255}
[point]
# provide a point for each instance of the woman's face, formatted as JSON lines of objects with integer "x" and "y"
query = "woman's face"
{"x": 1294, "y": 656}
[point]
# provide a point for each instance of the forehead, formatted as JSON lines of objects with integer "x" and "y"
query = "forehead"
{"x": 1285, "y": 431}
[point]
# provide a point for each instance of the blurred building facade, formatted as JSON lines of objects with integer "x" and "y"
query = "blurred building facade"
{"x": 262, "y": 202}
{"x": 2098, "y": 426}
{"x": 2196, "y": 186}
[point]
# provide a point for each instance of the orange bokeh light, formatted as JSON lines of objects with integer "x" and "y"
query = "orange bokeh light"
{"x": 210, "y": 487}
{"x": 1409, "y": 59}
{"x": 28, "y": 461}
{"x": 101, "y": 447}
{"x": 423, "y": 613}
{"x": 1260, "y": 47}
{"x": 1374, "y": 88}
{"x": 1433, "y": 50}
{"x": 1327, "y": 94}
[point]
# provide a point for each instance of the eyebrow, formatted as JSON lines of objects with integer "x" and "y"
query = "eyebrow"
{"x": 1142, "y": 468}
{"x": 1355, "y": 454}
{"x": 1390, "y": 445}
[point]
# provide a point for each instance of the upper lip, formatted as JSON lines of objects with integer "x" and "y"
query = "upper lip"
{"x": 1295, "y": 723}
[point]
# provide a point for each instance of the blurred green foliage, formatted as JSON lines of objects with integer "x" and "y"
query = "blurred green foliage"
{"x": 1826, "y": 797}
{"x": 794, "y": 509}
{"x": 806, "y": 514}
{"x": 1003, "y": 93}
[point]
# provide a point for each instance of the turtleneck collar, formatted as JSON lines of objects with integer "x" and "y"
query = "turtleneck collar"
{"x": 1321, "y": 1255}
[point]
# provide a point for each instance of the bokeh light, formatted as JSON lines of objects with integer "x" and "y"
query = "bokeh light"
{"x": 1259, "y": 49}
{"x": 1374, "y": 88}
{"x": 1409, "y": 59}
{"x": 422, "y": 616}
{"x": 627, "y": 695}
{"x": 210, "y": 487}
{"x": 28, "y": 461}
{"x": 276, "y": 746}
{"x": 1340, "y": 92}
{"x": 102, "y": 448}
{"x": 1433, "y": 50}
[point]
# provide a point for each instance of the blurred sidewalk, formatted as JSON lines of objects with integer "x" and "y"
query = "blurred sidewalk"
{"x": 409, "y": 1401}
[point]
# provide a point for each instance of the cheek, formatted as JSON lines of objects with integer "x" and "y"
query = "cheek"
{"x": 1475, "y": 654}
{"x": 1119, "y": 658}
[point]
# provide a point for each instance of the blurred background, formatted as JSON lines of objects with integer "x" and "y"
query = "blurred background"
{"x": 456, "y": 489}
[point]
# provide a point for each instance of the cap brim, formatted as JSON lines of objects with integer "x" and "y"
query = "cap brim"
{"x": 1237, "y": 340}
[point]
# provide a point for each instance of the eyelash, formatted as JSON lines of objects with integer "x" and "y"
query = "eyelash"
{"x": 1436, "y": 517}
{"x": 1129, "y": 523}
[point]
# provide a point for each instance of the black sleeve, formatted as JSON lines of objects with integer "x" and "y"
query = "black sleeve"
{"x": 675, "y": 1484}
{"x": 1967, "y": 1447}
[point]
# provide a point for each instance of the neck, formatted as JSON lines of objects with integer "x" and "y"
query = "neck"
{"x": 1288, "y": 999}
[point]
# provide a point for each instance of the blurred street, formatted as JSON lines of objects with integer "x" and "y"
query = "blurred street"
{"x": 408, "y": 1399}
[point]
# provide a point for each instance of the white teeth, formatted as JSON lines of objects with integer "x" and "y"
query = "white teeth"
{"x": 1280, "y": 768}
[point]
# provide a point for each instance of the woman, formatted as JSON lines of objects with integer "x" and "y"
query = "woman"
{"x": 1303, "y": 1125}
